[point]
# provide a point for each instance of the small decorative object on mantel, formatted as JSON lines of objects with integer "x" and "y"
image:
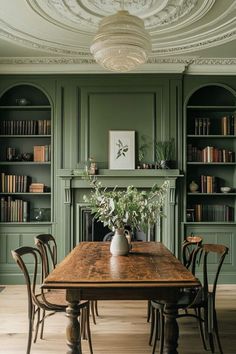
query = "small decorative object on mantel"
{"x": 92, "y": 168}
{"x": 118, "y": 208}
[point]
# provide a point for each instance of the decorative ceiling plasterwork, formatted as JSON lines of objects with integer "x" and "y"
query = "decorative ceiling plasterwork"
{"x": 62, "y": 30}
{"x": 167, "y": 21}
{"x": 85, "y": 14}
{"x": 76, "y": 60}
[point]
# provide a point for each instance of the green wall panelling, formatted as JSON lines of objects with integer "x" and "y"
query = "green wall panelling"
{"x": 119, "y": 111}
{"x": 88, "y": 106}
{"x": 104, "y": 102}
{"x": 11, "y": 237}
{"x": 219, "y": 233}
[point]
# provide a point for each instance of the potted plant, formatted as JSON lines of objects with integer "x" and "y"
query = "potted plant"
{"x": 142, "y": 151}
{"x": 118, "y": 208}
{"x": 164, "y": 153}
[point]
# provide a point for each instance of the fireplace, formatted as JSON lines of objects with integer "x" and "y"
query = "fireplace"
{"x": 78, "y": 223}
{"x": 94, "y": 230}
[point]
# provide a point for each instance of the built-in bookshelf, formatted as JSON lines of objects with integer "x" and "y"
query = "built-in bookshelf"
{"x": 25, "y": 156}
{"x": 210, "y": 155}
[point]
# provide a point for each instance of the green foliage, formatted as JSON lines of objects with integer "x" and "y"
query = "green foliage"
{"x": 118, "y": 208}
{"x": 144, "y": 145}
{"x": 164, "y": 150}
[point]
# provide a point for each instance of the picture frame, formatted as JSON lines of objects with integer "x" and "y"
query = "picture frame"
{"x": 122, "y": 149}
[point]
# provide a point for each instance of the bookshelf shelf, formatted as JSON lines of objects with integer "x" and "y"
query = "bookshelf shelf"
{"x": 26, "y": 108}
{"x": 216, "y": 108}
{"x": 24, "y": 176}
{"x": 212, "y": 194}
{"x": 35, "y": 194}
{"x": 25, "y": 136}
{"x": 211, "y": 163}
{"x": 27, "y": 163}
{"x": 210, "y": 156}
{"x": 216, "y": 136}
{"x": 215, "y": 223}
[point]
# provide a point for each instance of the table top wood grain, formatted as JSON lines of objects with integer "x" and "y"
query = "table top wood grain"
{"x": 149, "y": 263}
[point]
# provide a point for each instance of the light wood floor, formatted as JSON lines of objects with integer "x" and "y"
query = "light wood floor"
{"x": 121, "y": 327}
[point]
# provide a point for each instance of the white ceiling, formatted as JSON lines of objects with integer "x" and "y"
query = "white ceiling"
{"x": 42, "y": 36}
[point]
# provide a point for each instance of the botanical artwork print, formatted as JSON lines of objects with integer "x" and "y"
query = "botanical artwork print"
{"x": 121, "y": 149}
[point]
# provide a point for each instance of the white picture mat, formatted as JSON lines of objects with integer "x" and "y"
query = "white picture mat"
{"x": 122, "y": 149}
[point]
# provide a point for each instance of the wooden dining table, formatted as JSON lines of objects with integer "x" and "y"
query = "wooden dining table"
{"x": 149, "y": 271}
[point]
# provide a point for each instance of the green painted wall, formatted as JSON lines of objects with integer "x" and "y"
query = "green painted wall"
{"x": 85, "y": 108}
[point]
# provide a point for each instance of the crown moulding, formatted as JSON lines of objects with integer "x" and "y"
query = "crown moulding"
{"x": 63, "y": 65}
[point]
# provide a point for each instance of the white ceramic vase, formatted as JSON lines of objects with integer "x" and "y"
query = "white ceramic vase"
{"x": 119, "y": 243}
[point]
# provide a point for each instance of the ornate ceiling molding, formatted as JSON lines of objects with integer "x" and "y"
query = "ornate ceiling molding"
{"x": 61, "y": 65}
{"x": 176, "y": 27}
{"x": 61, "y": 31}
{"x": 76, "y": 60}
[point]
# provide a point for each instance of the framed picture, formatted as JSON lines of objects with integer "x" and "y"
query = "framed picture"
{"x": 122, "y": 149}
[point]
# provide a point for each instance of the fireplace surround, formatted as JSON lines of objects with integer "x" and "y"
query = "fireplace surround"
{"x": 76, "y": 210}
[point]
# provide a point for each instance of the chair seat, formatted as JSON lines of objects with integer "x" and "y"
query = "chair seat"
{"x": 57, "y": 299}
{"x": 189, "y": 297}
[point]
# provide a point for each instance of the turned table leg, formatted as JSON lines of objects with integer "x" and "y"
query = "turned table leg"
{"x": 73, "y": 327}
{"x": 171, "y": 330}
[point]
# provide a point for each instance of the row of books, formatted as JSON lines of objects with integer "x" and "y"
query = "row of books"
{"x": 14, "y": 183}
{"x": 226, "y": 126}
{"x": 42, "y": 153}
{"x": 209, "y": 184}
{"x": 213, "y": 212}
{"x": 14, "y": 210}
{"x": 209, "y": 154}
{"x": 202, "y": 126}
{"x": 25, "y": 127}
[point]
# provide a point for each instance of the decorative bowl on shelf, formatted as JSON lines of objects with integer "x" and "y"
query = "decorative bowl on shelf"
{"x": 225, "y": 189}
{"x": 22, "y": 101}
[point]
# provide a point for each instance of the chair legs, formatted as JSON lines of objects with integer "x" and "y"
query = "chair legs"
{"x": 217, "y": 333}
{"x": 157, "y": 329}
{"x": 30, "y": 334}
{"x": 94, "y": 310}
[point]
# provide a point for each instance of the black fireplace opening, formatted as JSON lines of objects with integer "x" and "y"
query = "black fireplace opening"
{"x": 94, "y": 230}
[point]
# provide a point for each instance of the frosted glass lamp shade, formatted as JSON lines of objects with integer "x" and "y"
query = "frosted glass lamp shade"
{"x": 121, "y": 43}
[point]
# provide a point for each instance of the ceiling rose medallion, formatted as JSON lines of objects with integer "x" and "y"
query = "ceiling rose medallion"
{"x": 121, "y": 42}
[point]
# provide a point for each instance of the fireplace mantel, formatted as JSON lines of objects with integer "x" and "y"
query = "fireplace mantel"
{"x": 76, "y": 185}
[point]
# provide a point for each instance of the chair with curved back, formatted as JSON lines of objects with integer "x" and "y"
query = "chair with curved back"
{"x": 41, "y": 303}
{"x": 188, "y": 247}
{"x": 200, "y": 300}
{"x": 48, "y": 247}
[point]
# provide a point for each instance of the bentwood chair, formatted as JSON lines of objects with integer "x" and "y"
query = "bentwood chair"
{"x": 41, "y": 303}
{"x": 188, "y": 247}
{"x": 46, "y": 243}
{"x": 200, "y": 300}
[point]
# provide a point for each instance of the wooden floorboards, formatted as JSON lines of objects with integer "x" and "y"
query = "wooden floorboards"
{"x": 121, "y": 327}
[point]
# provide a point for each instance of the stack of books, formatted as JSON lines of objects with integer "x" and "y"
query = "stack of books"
{"x": 37, "y": 187}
